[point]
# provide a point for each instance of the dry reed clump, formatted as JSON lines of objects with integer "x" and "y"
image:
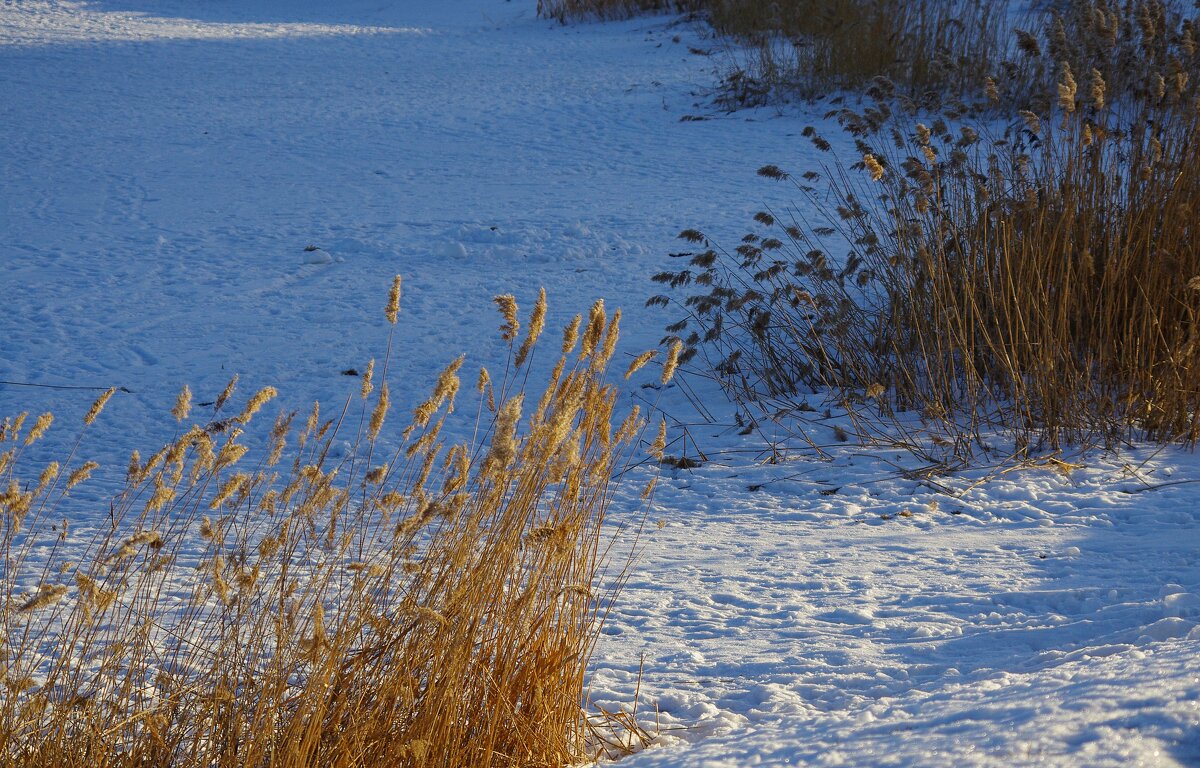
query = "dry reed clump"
{"x": 782, "y": 49}
{"x": 432, "y": 607}
{"x": 566, "y": 10}
{"x": 1145, "y": 52}
{"x": 1042, "y": 283}
{"x": 786, "y": 49}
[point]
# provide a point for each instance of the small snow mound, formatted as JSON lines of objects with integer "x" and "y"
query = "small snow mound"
{"x": 479, "y": 233}
{"x": 450, "y": 249}
{"x": 318, "y": 256}
{"x": 1167, "y": 629}
{"x": 1182, "y": 605}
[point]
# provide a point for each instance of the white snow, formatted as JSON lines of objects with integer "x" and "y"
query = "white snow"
{"x": 166, "y": 165}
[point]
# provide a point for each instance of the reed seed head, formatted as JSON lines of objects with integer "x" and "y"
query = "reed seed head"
{"x": 1028, "y": 44}
{"x": 81, "y": 474}
{"x": 40, "y": 425}
{"x": 183, "y": 404}
{"x": 1158, "y": 86}
{"x": 660, "y": 441}
{"x": 1067, "y": 88}
{"x": 230, "y": 454}
{"x": 537, "y": 323}
{"x": 10, "y": 428}
{"x": 229, "y": 489}
{"x": 873, "y": 167}
{"x": 98, "y": 406}
{"x": 571, "y": 334}
{"x": 611, "y": 334}
{"x": 225, "y": 393}
{"x": 256, "y": 403}
{"x": 47, "y": 477}
{"x": 367, "y": 380}
{"x": 380, "y": 412}
{"x": 672, "y": 362}
{"x": 595, "y": 329}
{"x": 1032, "y": 121}
{"x": 392, "y": 312}
{"x": 640, "y": 361}
{"x": 46, "y": 596}
{"x": 507, "y": 303}
{"x": 504, "y": 438}
{"x": 1096, "y": 90}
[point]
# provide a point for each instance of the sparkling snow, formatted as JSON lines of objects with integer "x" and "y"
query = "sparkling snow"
{"x": 196, "y": 188}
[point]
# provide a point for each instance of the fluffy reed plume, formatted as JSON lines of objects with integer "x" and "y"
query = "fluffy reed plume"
{"x": 379, "y": 413}
{"x": 1066, "y": 89}
{"x": 595, "y": 329}
{"x": 261, "y": 398}
{"x": 507, "y": 304}
{"x": 571, "y": 334}
{"x": 1096, "y": 90}
{"x": 368, "y": 380}
{"x": 874, "y": 168}
{"x": 183, "y": 404}
{"x": 225, "y": 394}
{"x": 46, "y": 596}
{"x": 39, "y": 428}
{"x": 537, "y": 323}
{"x": 672, "y": 362}
{"x": 81, "y": 473}
{"x": 640, "y": 361}
{"x": 98, "y": 406}
{"x": 660, "y": 441}
{"x": 436, "y": 608}
{"x": 392, "y": 311}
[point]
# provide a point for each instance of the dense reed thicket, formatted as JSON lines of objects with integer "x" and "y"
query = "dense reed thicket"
{"x": 431, "y": 605}
{"x": 808, "y": 48}
{"x": 1044, "y": 281}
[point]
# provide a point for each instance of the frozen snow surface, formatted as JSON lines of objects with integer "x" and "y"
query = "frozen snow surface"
{"x": 196, "y": 188}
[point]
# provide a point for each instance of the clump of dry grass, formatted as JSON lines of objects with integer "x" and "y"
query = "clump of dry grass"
{"x": 810, "y": 48}
{"x": 565, "y": 10}
{"x": 436, "y": 605}
{"x": 1044, "y": 282}
{"x": 1145, "y": 52}
{"x": 782, "y": 49}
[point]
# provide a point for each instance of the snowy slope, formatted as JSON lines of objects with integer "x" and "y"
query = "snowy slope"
{"x": 167, "y": 166}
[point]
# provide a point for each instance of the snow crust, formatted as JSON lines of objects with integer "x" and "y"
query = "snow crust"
{"x": 196, "y": 188}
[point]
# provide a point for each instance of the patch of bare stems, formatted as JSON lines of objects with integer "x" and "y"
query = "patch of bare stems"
{"x": 784, "y": 49}
{"x": 432, "y": 605}
{"x": 1045, "y": 282}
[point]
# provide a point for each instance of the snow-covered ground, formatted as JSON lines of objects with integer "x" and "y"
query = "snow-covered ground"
{"x": 196, "y": 188}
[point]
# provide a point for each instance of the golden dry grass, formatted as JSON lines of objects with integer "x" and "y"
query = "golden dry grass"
{"x": 430, "y": 606}
{"x": 566, "y": 10}
{"x": 781, "y": 49}
{"x": 1045, "y": 282}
